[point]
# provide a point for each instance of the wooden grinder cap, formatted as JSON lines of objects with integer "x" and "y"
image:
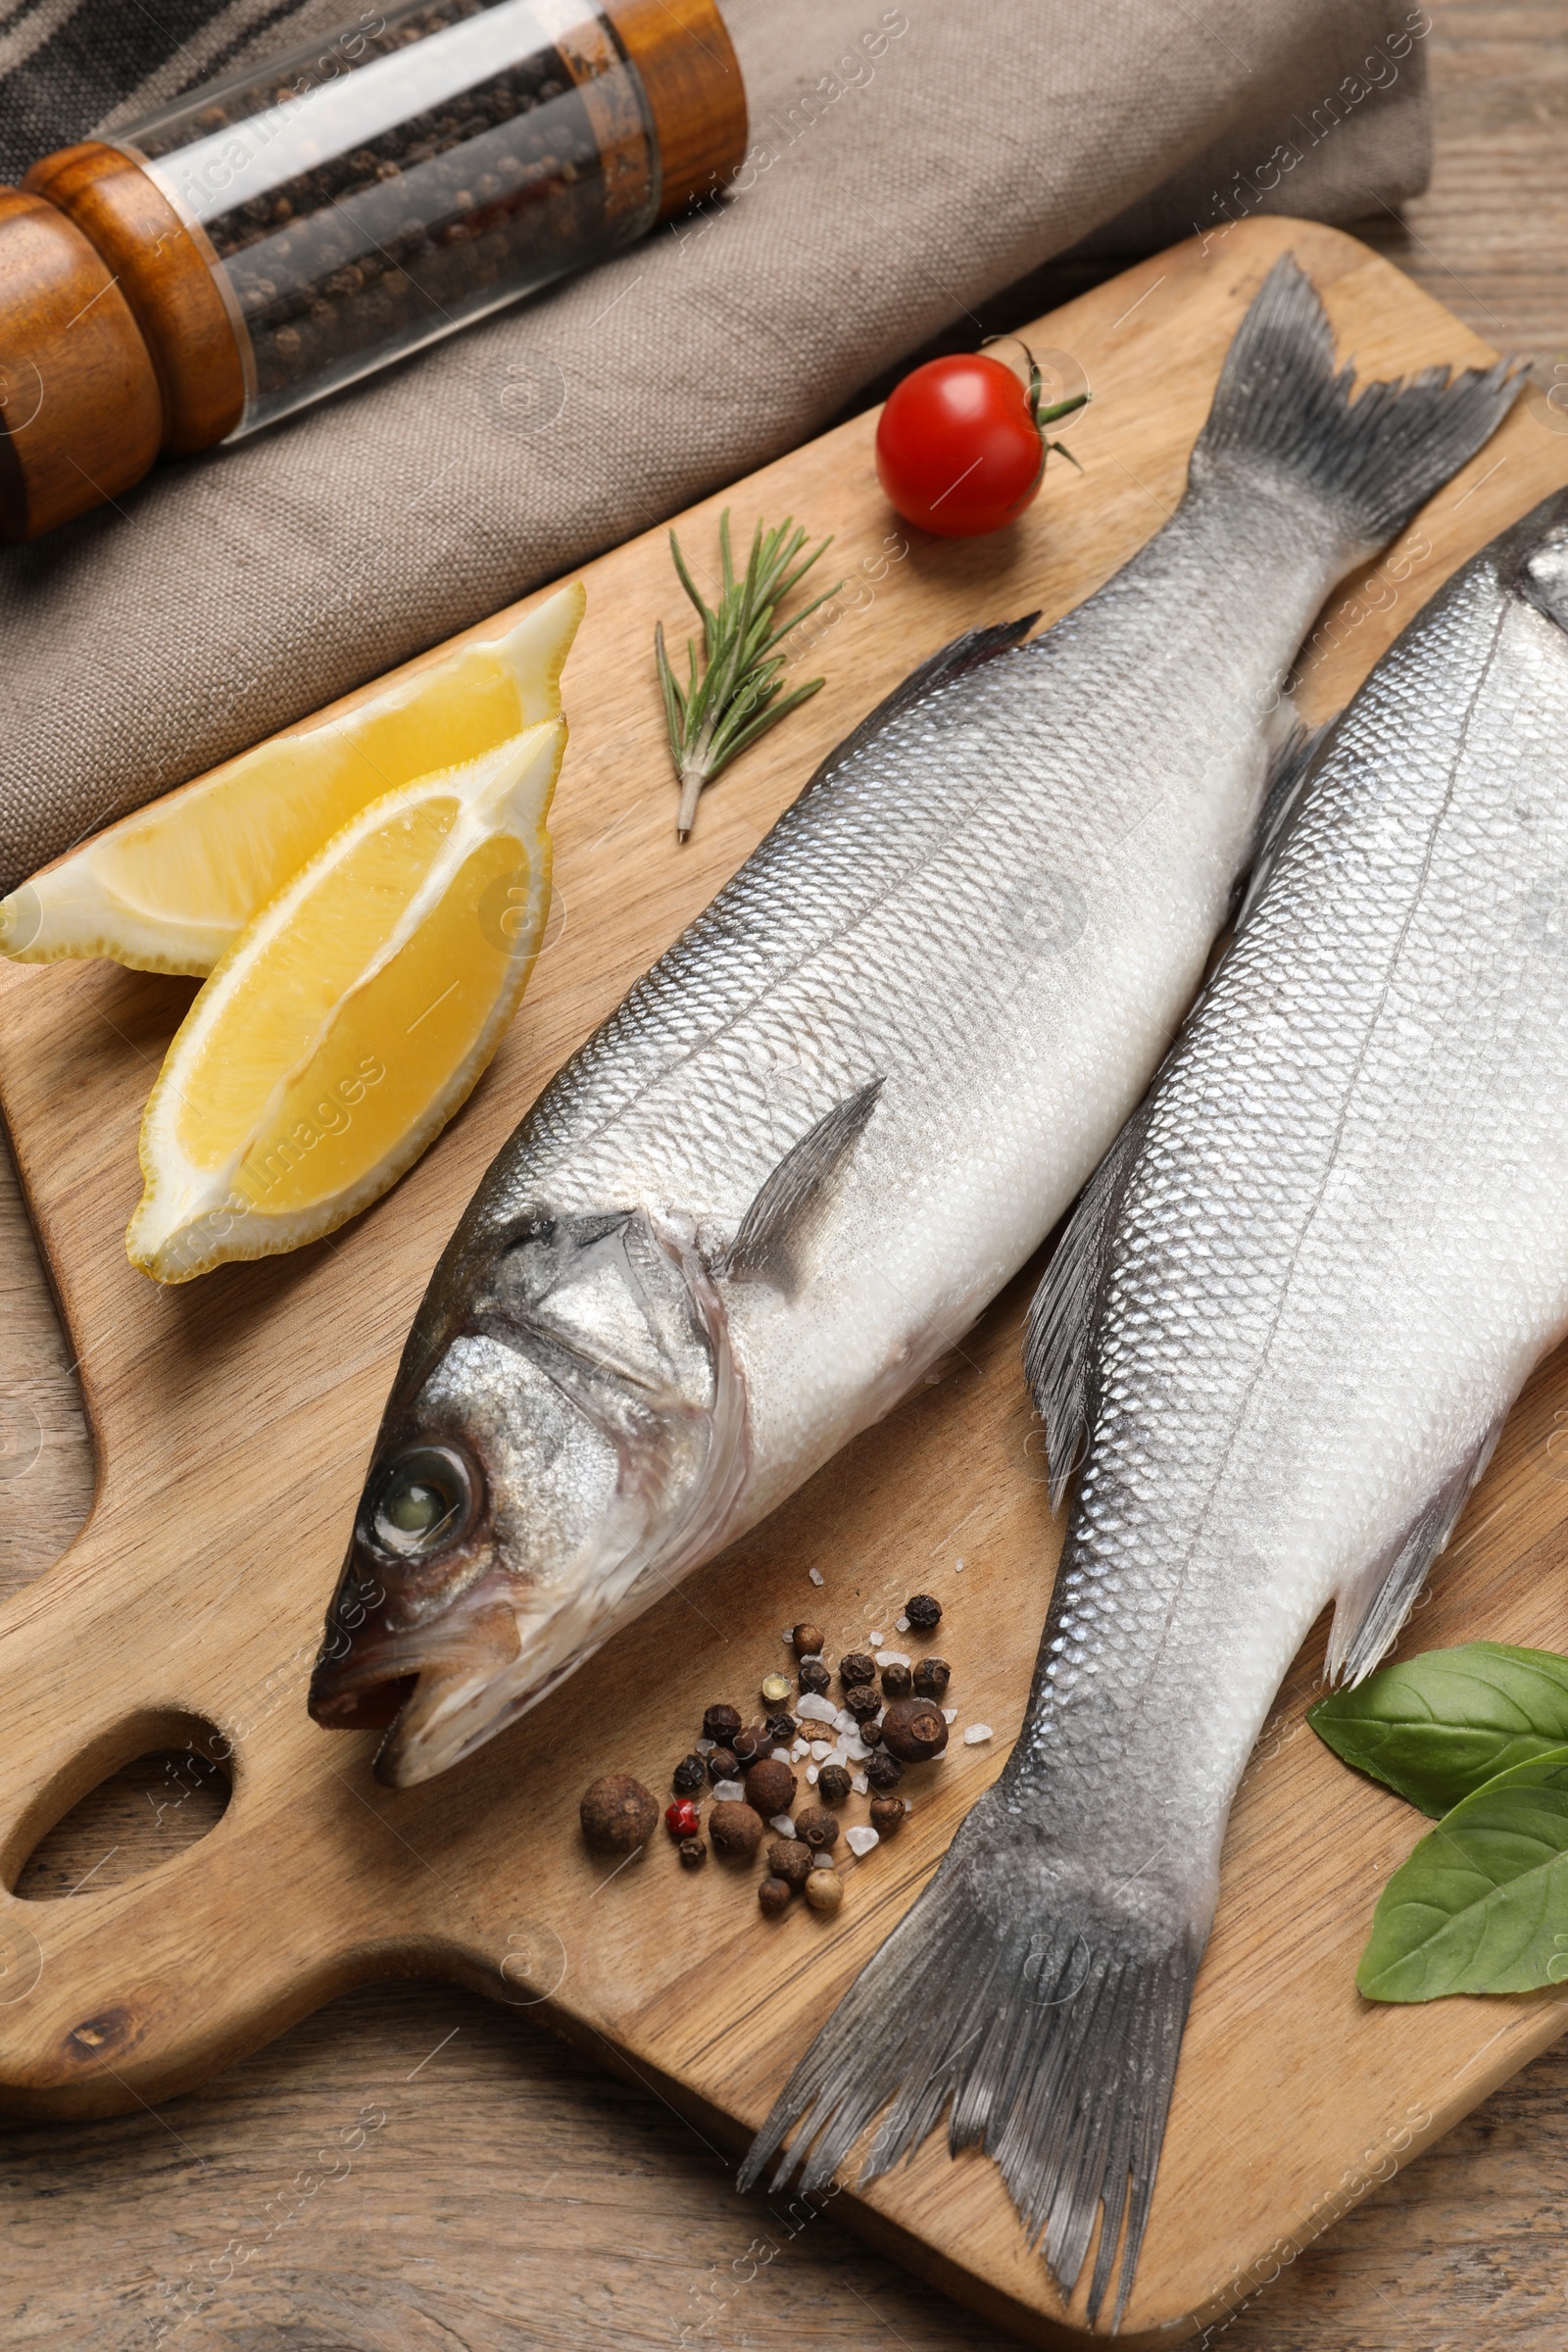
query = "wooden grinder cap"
{"x": 692, "y": 77}
{"x": 80, "y": 417}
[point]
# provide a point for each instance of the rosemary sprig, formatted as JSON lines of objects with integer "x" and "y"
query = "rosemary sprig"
{"x": 737, "y": 695}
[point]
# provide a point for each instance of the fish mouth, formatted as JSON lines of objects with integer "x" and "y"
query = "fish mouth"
{"x": 443, "y": 1688}
{"x": 404, "y": 1680}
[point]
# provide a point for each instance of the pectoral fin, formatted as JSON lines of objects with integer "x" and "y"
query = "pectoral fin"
{"x": 777, "y": 1231}
{"x": 1372, "y": 1605}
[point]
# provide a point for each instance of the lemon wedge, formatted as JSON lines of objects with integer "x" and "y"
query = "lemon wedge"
{"x": 171, "y": 888}
{"x": 349, "y": 1019}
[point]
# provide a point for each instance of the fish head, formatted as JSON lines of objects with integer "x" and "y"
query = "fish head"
{"x": 563, "y": 1437}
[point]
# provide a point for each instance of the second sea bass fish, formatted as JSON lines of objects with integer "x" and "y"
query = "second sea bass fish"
{"x": 829, "y": 1125}
{"x": 1287, "y": 1321}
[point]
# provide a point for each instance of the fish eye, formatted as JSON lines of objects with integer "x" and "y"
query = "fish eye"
{"x": 424, "y": 1499}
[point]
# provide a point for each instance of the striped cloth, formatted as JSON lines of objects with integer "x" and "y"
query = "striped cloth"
{"x": 230, "y": 593}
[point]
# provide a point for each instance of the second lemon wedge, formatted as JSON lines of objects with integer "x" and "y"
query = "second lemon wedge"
{"x": 351, "y": 1019}
{"x": 171, "y": 888}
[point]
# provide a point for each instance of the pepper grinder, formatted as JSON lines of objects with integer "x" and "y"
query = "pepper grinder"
{"x": 279, "y": 235}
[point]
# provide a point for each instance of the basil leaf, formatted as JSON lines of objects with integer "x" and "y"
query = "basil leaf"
{"x": 1482, "y": 1904}
{"x": 1438, "y": 1727}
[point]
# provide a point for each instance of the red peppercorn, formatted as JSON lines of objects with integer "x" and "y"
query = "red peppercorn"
{"x": 682, "y": 1819}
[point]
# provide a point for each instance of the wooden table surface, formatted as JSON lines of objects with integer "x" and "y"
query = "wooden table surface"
{"x": 510, "y": 2193}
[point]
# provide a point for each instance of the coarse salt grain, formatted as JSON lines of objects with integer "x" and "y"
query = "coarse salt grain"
{"x": 858, "y": 1783}
{"x": 825, "y": 1861}
{"x": 957, "y": 1567}
{"x": 705, "y": 1747}
{"x": 974, "y": 1732}
{"x": 729, "y": 1793}
{"x": 816, "y": 1575}
{"x": 901, "y": 1624}
{"x": 844, "y": 1721}
{"x": 800, "y": 1748}
{"x": 855, "y": 1750}
{"x": 811, "y": 1774}
{"x": 821, "y": 1749}
{"x": 781, "y": 1756}
{"x": 784, "y": 1825}
{"x": 896, "y": 1657}
{"x": 950, "y": 1714}
{"x": 875, "y": 1641}
{"x": 861, "y": 1837}
{"x": 813, "y": 1708}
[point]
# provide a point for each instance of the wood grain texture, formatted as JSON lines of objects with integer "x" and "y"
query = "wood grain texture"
{"x": 459, "y": 2234}
{"x": 232, "y": 1419}
{"x": 169, "y": 274}
{"x": 692, "y": 77}
{"x": 79, "y": 411}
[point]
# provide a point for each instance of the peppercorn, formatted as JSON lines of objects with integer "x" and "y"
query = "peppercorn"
{"x": 807, "y": 1641}
{"x": 824, "y": 1890}
{"x": 862, "y": 1699}
{"x": 897, "y": 1681}
{"x": 884, "y": 1771}
{"x": 721, "y": 1724}
{"x": 931, "y": 1678}
{"x": 813, "y": 1676}
{"x": 781, "y": 1728}
{"x": 751, "y": 1743}
{"x": 735, "y": 1829}
{"x": 775, "y": 1688}
{"x": 692, "y": 1852}
{"x": 618, "y": 1813}
{"x": 886, "y": 1815}
{"x": 915, "y": 1729}
{"x": 922, "y": 1611}
{"x": 689, "y": 1774}
{"x": 857, "y": 1667}
{"x": 682, "y": 1819}
{"x": 770, "y": 1786}
{"x": 723, "y": 1766}
{"x": 871, "y": 1732}
{"x": 817, "y": 1825}
{"x": 775, "y": 1896}
{"x": 833, "y": 1784}
{"x": 790, "y": 1858}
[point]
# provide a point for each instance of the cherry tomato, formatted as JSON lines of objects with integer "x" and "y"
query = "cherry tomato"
{"x": 960, "y": 446}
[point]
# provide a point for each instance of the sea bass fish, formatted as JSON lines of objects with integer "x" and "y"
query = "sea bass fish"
{"x": 1284, "y": 1327}
{"x": 824, "y": 1129}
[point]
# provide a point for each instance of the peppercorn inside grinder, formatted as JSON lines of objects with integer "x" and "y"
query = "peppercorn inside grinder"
{"x": 276, "y": 236}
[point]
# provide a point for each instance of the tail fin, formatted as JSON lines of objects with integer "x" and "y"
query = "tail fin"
{"x": 1048, "y": 2015}
{"x": 1281, "y": 410}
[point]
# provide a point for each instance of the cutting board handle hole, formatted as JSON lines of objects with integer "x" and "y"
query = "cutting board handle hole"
{"x": 140, "y": 1809}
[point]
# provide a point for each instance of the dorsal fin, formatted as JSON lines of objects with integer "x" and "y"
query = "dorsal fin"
{"x": 1059, "y": 1338}
{"x": 965, "y": 653}
{"x": 777, "y": 1230}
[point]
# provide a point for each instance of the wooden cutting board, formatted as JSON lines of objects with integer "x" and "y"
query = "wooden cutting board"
{"x": 234, "y": 1419}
